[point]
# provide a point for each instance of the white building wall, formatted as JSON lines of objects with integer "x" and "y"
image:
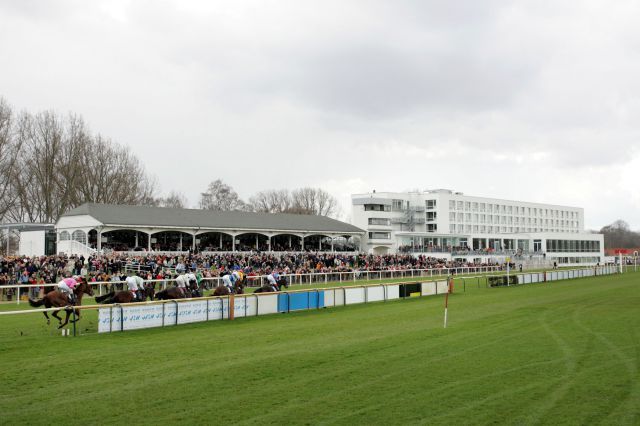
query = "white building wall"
{"x": 467, "y": 217}
{"x": 32, "y": 243}
{"x": 71, "y": 223}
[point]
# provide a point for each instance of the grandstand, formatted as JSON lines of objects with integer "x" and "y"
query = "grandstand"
{"x": 92, "y": 228}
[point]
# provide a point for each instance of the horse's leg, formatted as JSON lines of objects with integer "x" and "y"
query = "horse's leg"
{"x": 47, "y": 317}
{"x": 77, "y": 312}
{"x": 66, "y": 319}
{"x": 55, "y": 314}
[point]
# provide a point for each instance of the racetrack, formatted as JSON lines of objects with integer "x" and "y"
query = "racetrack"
{"x": 564, "y": 352}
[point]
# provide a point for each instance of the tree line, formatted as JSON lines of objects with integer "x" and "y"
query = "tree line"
{"x": 50, "y": 163}
{"x": 620, "y": 235}
{"x": 316, "y": 201}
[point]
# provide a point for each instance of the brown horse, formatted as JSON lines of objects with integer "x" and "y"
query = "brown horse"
{"x": 267, "y": 288}
{"x": 173, "y": 293}
{"x": 126, "y": 296}
{"x": 238, "y": 288}
{"x": 56, "y": 299}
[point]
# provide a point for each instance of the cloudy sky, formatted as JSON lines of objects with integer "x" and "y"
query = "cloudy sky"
{"x": 527, "y": 100}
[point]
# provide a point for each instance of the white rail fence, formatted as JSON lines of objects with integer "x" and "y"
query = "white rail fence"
{"x": 122, "y": 317}
{"x": 9, "y": 292}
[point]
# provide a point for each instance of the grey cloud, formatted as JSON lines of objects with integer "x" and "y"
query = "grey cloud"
{"x": 385, "y": 83}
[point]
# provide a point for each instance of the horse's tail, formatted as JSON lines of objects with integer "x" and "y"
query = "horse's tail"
{"x": 101, "y": 299}
{"x": 36, "y": 303}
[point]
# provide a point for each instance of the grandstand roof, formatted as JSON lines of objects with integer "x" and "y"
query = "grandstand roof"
{"x": 123, "y": 215}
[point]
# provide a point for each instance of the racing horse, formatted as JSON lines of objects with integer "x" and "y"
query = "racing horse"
{"x": 268, "y": 288}
{"x": 238, "y": 288}
{"x": 57, "y": 299}
{"x": 195, "y": 289}
{"x": 127, "y": 296}
{"x": 171, "y": 293}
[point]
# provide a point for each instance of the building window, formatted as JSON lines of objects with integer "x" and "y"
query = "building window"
{"x": 397, "y": 205}
{"x": 452, "y": 205}
{"x": 379, "y": 221}
{"x": 79, "y": 236}
{"x": 379, "y": 235}
{"x": 431, "y": 204}
{"x": 64, "y": 236}
{"x": 432, "y": 216}
{"x": 376, "y": 208}
{"x": 573, "y": 246}
{"x": 432, "y": 227}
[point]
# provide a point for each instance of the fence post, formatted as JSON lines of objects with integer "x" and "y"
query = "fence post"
{"x": 73, "y": 311}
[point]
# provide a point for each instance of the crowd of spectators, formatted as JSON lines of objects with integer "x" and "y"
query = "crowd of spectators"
{"x": 112, "y": 267}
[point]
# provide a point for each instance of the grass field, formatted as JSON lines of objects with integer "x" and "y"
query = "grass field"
{"x": 561, "y": 353}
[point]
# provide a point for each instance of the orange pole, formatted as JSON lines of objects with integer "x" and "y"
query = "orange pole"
{"x": 232, "y": 306}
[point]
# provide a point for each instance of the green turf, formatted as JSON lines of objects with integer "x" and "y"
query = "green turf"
{"x": 567, "y": 352}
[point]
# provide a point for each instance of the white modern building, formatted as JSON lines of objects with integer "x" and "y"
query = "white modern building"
{"x": 477, "y": 229}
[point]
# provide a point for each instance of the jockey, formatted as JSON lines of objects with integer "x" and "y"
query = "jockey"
{"x": 66, "y": 286}
{"x": 132, "y": 284}
{"x": 191, "y": 278}
{"x": 140, "y": 283}
{"x": 181, "y": 283}
{"x": 273, "y": 279}
{"x": 228, "y": 280}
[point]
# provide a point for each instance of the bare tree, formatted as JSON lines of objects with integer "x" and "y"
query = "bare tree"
{"x": 174, "y": 200}
{"x": 313, "y": 201}
{"x": 620, "y": 235}
{"x": 271, "y": 201}
{"x": 61, "y": 166}
{"x": 221, "y": 197}
{"x": 8, "y": 157}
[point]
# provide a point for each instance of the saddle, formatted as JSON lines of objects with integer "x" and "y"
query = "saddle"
{"x": 71, "y": 298}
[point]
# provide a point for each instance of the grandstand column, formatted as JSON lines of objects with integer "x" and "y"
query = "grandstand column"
{"x": 257, "y": 242}
{"x": 180, "y": 245}
{"x": 136, "y": 245}
{"x": 193, "y": 244}
{"x": 220, "y": 242}
{"x": 332, "y": 244}
{"x": 233, "y": 242}
{"x": 302, "y": 240}
{"x": 148, "y": 241}
{"x": 320, "y": 243}
{"x": 99, "y": 240}
{"x": 269, "y": 243}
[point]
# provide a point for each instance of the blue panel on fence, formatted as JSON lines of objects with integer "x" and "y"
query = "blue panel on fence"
{"x": 300, "y": 301}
